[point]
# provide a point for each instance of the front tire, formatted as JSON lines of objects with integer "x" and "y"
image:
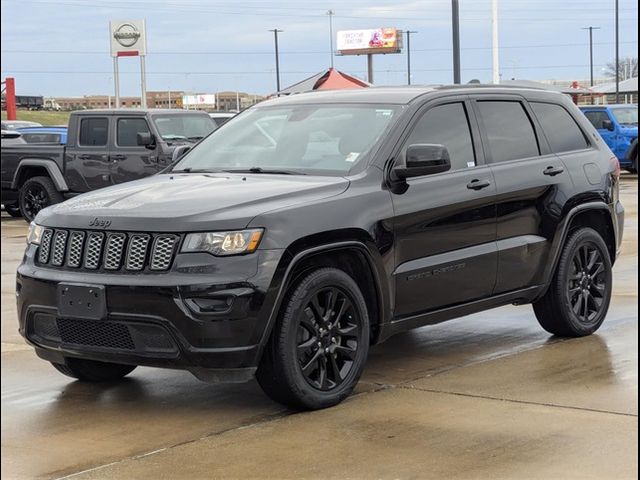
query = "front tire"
{"x": 319, "y": 344}
{"x": 35, "y": 194}
{"x": 93, "y": 371}
{"x": 578, "y": 298}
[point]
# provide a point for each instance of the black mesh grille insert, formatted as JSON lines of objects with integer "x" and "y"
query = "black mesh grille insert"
{"x": 95, "y": 333}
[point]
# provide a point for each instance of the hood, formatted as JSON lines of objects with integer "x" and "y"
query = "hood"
{"x": 189, "y": 201}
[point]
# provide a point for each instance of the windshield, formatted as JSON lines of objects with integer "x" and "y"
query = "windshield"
{"x": 626, "y": 116}
{"x": 325, "y": 139}
{"x": 183, "y": 127}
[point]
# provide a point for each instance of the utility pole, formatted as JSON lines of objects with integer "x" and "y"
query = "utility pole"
{"x": 617, "y": 51}
{"x": 455, "y": 13}
{"x": 591, "y": 29}
{"x": 331, "y": 13}
{"x": 494, "y": 42}
{"x": 409, "y": 32}
{"x": 275, "y": 38}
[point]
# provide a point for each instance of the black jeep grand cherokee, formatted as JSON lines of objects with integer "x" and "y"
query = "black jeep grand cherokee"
{"x": 309, "y": 227}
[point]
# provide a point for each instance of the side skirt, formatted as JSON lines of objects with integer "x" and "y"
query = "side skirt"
{"x": 522, "y": 296}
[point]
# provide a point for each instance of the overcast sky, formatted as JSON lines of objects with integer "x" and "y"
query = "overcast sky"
{"x": 61, "y": 48}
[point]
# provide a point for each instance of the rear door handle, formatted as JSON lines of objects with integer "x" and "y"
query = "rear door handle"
{"x": 553, "y": 171}
{"x": 118, "y": 157}
{"x": 84, "y": 156}
{"x": 478, "y": 184}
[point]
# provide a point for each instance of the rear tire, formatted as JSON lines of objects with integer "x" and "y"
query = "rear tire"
{"x": 319, "y": 345}
{"x": 13, "y": 210}
{"x": 93, "y": 371}
{"x": 578, "y": 298}
{"x": 35, "y": 194}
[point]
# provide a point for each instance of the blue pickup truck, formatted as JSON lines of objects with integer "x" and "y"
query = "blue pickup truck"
{"x": 618, "y": 126}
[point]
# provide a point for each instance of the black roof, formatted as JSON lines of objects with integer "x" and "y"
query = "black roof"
{"x": 397, "y": 95}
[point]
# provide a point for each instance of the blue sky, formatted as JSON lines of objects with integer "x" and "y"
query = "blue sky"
{"x": 61, "y": 48}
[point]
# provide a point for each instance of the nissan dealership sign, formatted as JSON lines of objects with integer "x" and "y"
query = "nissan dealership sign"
{"x": 128, "y": 38}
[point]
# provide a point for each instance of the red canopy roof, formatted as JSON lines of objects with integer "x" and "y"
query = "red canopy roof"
{"x": 330, "y": 79}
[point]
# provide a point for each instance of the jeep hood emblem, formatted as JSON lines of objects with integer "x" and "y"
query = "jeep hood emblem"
{"x": 96, "y": 222}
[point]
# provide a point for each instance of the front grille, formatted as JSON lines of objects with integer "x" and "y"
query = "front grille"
{"x": 115, "y": 251}
{"x": 95, "y": 334}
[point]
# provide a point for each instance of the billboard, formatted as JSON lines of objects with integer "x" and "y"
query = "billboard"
{"x": 362, "y": 42}
{"x": 195, "y": 100}
{"x": 128, "y": 38}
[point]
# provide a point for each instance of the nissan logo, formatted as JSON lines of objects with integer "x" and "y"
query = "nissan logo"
{"x": 126, "y": 35}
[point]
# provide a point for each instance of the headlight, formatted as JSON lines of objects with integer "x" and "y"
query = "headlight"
{"x": 35, "y": 233}
{"x": 223, "y": 243}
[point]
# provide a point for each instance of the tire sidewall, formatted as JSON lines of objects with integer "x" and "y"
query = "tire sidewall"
{"x": 583, "y": 237}
{"x": 311, "y": 397}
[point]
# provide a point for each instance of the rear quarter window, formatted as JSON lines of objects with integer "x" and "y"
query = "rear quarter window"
{"x": 560, "y": 128}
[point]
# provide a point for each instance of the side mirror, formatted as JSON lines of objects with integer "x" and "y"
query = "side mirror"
{"x": 423, "y": 159}
{"x": 608, "y": 125}
{"x": 146, "y": 139}
{"x": 179, "y": 152}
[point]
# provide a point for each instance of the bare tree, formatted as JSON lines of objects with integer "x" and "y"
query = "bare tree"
{"x": 625, "y": 64}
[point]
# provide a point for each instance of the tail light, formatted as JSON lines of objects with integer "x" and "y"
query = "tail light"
{"x": 615, "y": 164}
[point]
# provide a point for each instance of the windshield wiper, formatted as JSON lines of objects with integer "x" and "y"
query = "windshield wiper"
{"x": 265, "y": 171}
{"x": 196, "y": 170}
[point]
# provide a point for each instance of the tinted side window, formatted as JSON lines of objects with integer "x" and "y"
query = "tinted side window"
{"x": 597, "y": 118}
{"x": 509, "y": 130}
{"x": 94, "y": 131}
{"x": 561, "y": 129}
{"x": 447, "y": 125}
{"x": 128, "y": 129}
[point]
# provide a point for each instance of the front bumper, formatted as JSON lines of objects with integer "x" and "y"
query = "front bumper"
{"x": 207, "y": 314}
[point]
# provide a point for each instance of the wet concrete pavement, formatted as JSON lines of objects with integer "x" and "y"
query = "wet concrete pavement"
{"x": 486, "y": 396}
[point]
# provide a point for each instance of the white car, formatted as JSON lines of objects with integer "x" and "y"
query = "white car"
{"x": 220, "y": 118}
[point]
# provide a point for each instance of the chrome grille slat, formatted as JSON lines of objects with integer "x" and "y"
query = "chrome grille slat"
{"x": 74, "y": 252}
{"x": 45, "y": 246}
{"x": 162, "y": 252}
{"x": 93, "y": 250}
{"x": 59, "y": 247}
{"x": 113, "y": 251}
{"x": 137, "y": 251}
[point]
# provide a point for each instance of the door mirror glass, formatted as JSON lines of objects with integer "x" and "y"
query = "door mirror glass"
{"x": 146, "y": 139}
{"x": 608, "y": 125}
{"x": 423, "y": 159}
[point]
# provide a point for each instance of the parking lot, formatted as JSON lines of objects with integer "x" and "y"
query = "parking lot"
{"x": 487, "y": 396}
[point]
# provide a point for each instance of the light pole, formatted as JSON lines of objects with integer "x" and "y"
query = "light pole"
{"x": 331, "y": 13}
{"x": 455, "y": 14}
{"x": 494, "y": 42}
{"x": 409, "y": 32}
{"x": 275, "y": 38}
{"x": 617, "y": 51}
{"x": 591, "y": 29}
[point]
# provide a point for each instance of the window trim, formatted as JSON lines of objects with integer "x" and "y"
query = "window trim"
{"x": 543, "y": 146}
{"x": 131, "y": 117}
{"x": 575, "y": 120}
{"x": 417, "y": 115}
{"x": 93, "y": 117}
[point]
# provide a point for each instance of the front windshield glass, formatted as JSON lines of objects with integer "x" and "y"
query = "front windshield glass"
{"x": 325, "y": 139}
{"x": 183, "y": 127}
{"x": 626, "y": 115}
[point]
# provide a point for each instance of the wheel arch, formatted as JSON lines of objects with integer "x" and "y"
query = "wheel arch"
{"x": 34, "y": 167}
{"x": 595, "y": 215}
{"x": 358, "y": 258}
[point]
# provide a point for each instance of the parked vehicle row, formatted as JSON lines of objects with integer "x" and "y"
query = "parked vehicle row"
{"x": 312, "y": 226}
{"x": 103, "y": 148}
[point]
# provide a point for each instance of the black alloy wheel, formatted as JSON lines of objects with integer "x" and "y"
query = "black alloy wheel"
{"x": 586, "y": 286}
{"x": 35, "y": 194}
{"x": 327, "y": 338}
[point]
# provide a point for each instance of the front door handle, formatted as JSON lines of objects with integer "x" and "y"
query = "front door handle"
{"x": 118, "y": 157}
{"x": 553, "y": 171}
{"x": 84, "y": 156}
{"x": 478, "y": 184}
